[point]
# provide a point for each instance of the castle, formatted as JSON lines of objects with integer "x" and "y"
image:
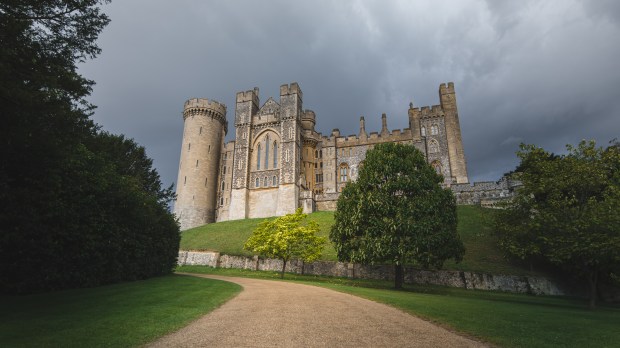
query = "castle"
{"x": 278, "y": 162}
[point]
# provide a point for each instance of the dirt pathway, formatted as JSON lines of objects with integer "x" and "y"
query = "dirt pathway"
{"x": 280, "y": 314}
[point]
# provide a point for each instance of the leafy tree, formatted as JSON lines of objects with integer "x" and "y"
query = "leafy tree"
{"x": 287, "y": 238}
{"x": 396, "y": 212}
{"x": 78, "y": 207}
{"x": 567, "y": 211}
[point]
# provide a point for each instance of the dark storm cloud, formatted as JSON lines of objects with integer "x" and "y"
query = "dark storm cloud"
{"x": 532, "y": 71}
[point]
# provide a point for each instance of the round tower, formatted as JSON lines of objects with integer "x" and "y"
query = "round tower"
{"x": 203, "y": 139}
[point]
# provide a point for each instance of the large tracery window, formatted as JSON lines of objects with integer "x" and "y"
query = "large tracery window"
{"x": 433, "y": 146}
{"x": 434, "y": 130}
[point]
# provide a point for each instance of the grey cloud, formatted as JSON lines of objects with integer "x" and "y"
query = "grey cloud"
{"x": 543, "y": 72}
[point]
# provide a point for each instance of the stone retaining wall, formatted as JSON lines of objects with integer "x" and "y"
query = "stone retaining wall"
{"x": 466, "y": 280}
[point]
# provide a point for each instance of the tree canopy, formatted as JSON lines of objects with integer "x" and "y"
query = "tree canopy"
{"x": 286, "y": 238}
{"x": 567, "y": 211}
{"x": 396, "y": 212}
{"x": 78, "y": 207}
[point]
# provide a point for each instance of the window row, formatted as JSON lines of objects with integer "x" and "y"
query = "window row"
{"x": 265, "y": 182}
{"x": 434, "y": 130}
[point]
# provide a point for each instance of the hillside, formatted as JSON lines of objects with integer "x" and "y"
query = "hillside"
{"x": 482, "y": 254}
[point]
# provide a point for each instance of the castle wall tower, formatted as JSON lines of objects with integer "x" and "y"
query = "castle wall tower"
{"x": 247, "y": 105}
{"x": 203, "y": 137}
{"x": 290, "y": 114}
{"x": 458, "y": 165}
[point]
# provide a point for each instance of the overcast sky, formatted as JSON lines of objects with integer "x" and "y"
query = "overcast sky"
{"x": 541, "y": 72}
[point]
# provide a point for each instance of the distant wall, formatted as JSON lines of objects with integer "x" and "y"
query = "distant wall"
{"x": 466, "y": 280}
{"x": 485, "y": 193}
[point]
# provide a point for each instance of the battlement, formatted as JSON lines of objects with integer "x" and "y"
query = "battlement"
{"x": 293, "y": 88}
{"x": 251, "y": 95}
{"x": 446, "y": 89}
{"x": 308, "y": 119}
{"x": 427, "y": 111}
{"x": 203, "y": 103}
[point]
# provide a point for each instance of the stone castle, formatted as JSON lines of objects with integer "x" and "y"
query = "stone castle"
{"x": 278, "y": 162}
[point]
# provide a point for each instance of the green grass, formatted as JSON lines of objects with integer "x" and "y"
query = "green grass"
{"x": 119, "y": 315}
{"x": 504, "y": 319}
{"x": 481, "y": 255}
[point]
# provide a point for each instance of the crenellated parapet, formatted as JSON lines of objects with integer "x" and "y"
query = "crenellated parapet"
{"x": 207, "y": 108}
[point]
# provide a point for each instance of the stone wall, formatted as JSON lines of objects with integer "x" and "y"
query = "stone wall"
{"x": 466, "y": 280}
{"x": 485, "y": 193}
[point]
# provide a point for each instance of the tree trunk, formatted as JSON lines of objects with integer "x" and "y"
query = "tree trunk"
{"x": 283, "y": 267}
{"x": 593, "y": 280}
{"x": 398, "y": 276}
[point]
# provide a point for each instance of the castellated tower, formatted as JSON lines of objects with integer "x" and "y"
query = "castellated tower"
{"x": 203, "y": 138}
{"x": 456, "y": 154}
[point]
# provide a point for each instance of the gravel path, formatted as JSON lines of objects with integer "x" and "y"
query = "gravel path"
{"x": 280, "y": 314}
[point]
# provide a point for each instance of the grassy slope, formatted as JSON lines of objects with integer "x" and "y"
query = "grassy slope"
{"x": 120, "y": 315}
{"x": 482, "y": 254}
{"x": 505, "y": 319}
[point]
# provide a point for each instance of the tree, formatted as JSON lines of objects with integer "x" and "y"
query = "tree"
{"x": 567, "y": 211}
{"x": 287, "y": 238}
{"x": 396, "y": 212}
{"x": 78, "y": 207}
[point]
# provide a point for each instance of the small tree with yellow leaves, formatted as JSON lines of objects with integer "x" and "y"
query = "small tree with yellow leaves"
{"x": 286, "y": 238}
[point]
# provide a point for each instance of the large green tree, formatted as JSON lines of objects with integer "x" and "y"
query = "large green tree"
{"x": 567, "y": 211}
{"x": 397, "y": 212}
{"x": 78, "y": 207}
{"x": 287, "y": 237}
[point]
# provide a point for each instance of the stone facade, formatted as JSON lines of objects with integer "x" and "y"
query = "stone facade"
{"x": 279, "y": 162}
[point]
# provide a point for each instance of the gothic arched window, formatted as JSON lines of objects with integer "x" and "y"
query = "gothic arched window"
{"x": 423, "y": 131}
{"x": 433, "y": 146}
{"x": 267, "y": 152}
{"x": 223, "y": 186}
{"x": 434, "y": 130}
{"x": 258, "y": 158}
{"x": 274, "y": 180}
{"x": 344, "y": 172}
{"x": 257, "y": 182}
{"x": 265, "y": 182}
{"x": 275, "y": 154}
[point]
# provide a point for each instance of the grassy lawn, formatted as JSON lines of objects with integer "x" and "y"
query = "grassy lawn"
{"x": 119, "y": 315}
{"x": 505, "y": 319}
{"x": 482, "y": 254}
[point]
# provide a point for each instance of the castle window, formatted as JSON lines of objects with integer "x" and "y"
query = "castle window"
{"x": 275, "y": 154}
{"x": 189, "y": 146}
{"x": 316, "y": 153}
{"x": 433, "y": 146}
{"x": 225, "y": 156}
{"x": 223, "y": 186}
{"x": 222, "y": 201}
{"x": 209, "y": 151}
{"x": 224, "y": 170}
{"x": 423, "y": 131}
{"x": 257, "y": 182}
{"x": 344, "y": 172}
{"x": 196, "y": 163}
{"x": 434, "y": 130}
{"x": 184, "y": 180}
{"x": 320, "y": 153}
{"x": 267, "y": 152}
{"x": 206, "y": 180}
{"x": 265, "y": 182}
{"x": 258, "y": 158}
{"x": 200, "y": 132}
{"x": 274, "y": 180}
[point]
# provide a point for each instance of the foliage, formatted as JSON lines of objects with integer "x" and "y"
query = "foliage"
{"x": 78, "y": 207}
{"x": 396, "y": 212}
{"x": 120, "y": 315}
{"x": 286, "y": 238}
{"x": 567, "y": 211}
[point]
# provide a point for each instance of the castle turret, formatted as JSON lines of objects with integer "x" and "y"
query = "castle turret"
{"x": 203, "y": 138}
{"x": 362, "y": 134}
{"x": 458, "y": 167}
{"x": 384, "y": 128}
